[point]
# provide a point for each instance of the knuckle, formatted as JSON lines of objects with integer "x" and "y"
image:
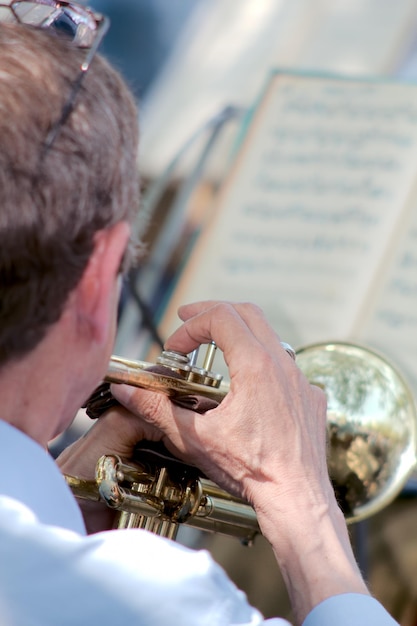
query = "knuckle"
{"x": 319, "y": 395}
{"x": 262, "y": 361}
{"x": 254, "y": 309}
{"x": 148, "y": 405}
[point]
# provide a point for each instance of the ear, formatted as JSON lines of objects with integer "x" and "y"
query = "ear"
{"x": 97, "y": 293}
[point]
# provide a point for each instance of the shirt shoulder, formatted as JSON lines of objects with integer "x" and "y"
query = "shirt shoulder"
{"x": 50, "y": 575}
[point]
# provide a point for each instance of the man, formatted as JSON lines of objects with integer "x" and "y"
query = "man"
{"x": 68, "y": 188}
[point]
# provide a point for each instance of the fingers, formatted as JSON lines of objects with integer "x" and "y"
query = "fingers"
{"x": 120, "y": 430}
{"x": 116, "y": 432}
{"x": 270, "y": 412}
{"x": 153, "y": 408}
{"x": 237, "y": 328}
{"x": 166, "y": 422}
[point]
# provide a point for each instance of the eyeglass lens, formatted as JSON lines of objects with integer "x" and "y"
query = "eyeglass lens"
{"x": 76, "y": 22}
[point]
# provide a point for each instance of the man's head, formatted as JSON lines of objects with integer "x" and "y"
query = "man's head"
{"x": 53, "y": 204}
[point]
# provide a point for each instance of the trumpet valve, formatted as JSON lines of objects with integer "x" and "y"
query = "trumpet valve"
{"x": 185, "y": 366}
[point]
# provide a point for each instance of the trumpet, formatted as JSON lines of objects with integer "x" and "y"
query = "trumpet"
{"x": 372, "y": 431}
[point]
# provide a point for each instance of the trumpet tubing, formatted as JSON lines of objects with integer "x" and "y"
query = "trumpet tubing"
{"x": 159, "y": 496}
{"x": 372, "y": 432}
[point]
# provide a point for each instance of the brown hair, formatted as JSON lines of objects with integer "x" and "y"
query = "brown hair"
{"x": 51, "y": 207}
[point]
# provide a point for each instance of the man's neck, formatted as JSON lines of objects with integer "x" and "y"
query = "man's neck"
{"x": 41, "y": 392}
{"x": 30, "y": 398}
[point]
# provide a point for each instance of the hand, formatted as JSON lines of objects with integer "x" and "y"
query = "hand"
{"x": 265, "y": 442}
{"x": 271, "y": 416}
{"x": 116, "y": 432}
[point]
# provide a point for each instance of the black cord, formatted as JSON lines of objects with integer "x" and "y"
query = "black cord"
{"x": 147, "y": 316}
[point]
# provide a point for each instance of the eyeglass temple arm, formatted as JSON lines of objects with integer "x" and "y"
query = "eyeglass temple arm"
{"x": 102, "y": 29}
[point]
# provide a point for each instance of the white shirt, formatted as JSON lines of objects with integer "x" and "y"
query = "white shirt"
{"x": 52, "y": 574}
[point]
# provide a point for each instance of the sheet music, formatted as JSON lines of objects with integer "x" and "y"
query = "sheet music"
{"x": 309, "y": 219}
{"x": 392, "y": 326}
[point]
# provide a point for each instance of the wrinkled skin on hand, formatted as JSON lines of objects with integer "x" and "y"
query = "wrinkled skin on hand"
{"x": 271, "y": 421}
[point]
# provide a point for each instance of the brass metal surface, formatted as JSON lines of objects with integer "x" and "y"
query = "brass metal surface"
{"x": 372, "y": 434}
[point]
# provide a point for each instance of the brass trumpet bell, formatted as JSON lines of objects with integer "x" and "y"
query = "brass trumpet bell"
{"x": 372, "y": 424}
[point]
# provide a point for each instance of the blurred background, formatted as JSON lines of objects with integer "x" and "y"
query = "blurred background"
{"x": 187, "y": 59}
{"x": 196, "y": 68}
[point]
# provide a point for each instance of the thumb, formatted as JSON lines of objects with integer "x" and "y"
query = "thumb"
{"x": 153, "y": 407}
{"x": 176, "y": 424}
{"x": 122, "y": 393}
